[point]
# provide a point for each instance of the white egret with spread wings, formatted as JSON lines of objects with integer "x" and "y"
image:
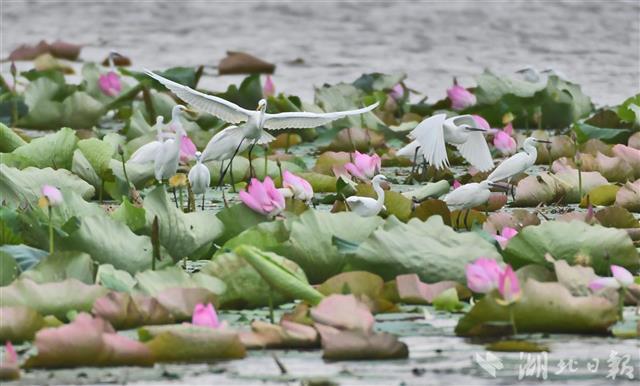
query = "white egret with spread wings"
{"x": 255, "y": 121}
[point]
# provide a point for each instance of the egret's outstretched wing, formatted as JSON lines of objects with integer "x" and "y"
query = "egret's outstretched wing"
{"x": 305, "y": 120}
{"x": 430, "y": 134}
{"x": 409, "y": 151}
{"x": 476, "y": 151}
{"x": 508, "y": 168}
{"x": 223, "y": 109}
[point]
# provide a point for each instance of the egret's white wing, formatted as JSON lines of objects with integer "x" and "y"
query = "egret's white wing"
{"x": 166, "y": 163}
{"x": 146, "y": 153}
{"x": 265, "y": 138}
{"x": 222, "y": 146}
{"x": 409, "y": 151}
{"x": 513, "y": 165}
{"x": 304, "y": 120}
{"x": 430, "y": 134}
{"x": 461, "y": 196}
{"x": 223, "y": 109}
{"x": 363, "y": 206}
{"x": 476, "y": 151}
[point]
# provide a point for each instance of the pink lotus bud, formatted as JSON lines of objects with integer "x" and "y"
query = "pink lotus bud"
{"x": 187, "y": 149}
{"x": 52, "y": 194}
{"x": 12, "y": 356}
{"x": 505, "y": 235}
{"x": 364, "y": 166}
{"x": 509, "y": 286}
{"x": 456, "y": 184}
{"x": 622, "y": 278}
{"x": 460, "y": 97}
{"x": 397, "y": 92}
{"x": 269, "y": 89}
{"x": 205, "y": 316}
{"x": 263, "y": 197}
{"x": 483, "y": 275}
{"x": 481, "y": 122}
{"x": 299, "y": 187}
{"x": 504, "y": 142}
{"x": 109, "y": 84}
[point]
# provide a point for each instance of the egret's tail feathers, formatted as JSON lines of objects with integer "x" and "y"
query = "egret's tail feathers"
{"x": 409, "y": 151}
{"x": 265, "y": 138}
{"x": 224, "y": 144}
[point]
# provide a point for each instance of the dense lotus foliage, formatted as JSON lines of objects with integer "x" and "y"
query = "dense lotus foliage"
{"x": 92, "y": 244}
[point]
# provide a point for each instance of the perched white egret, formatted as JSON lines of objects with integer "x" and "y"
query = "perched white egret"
{"x": 518, "y": 162}
{"x": 367, "y": 206}
{"x": 147, "y": 152}
{"x": 468, "y": 196}
{"x": 253, "y": 130}
{"x": 462, "y": 131}
{"x": 168, "y": 154}
{"x": 199, "y": 177}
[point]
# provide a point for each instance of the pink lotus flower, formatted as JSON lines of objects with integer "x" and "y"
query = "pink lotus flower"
{"x": 481, "y": 122}
{"x": 505, "y": 235}
{"x": 483, "y": 275}
{"x": 187, "y": 149}
{"x": 509, "y": 286}
{"x": 460, "y": 97}
{"x": 109, "y": 84}
{"x": 364, "y": 166}
{"x": 11, "y": 357}
{"x": 504, "y": 141}
{"x": 52, "y": 194}
{"x": 263, "y": 197}
{"x": 205, "y": 315}
{"x": 456, "y": 184}
{"x": 269, "y": 89}
{"x": 397, "y": 91}
{"x": 298, "y": 187}
{"x": 622, "y": 278}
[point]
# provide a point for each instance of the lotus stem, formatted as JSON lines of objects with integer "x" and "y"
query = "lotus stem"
{"x": 622, "y": 294}
{"x": 265, "y": 163}
{"x": 155, "y": 242}
{"x": 286, "y": 148}
{"x": 101, "y": 190}
{"x": 124, "y": 170}
{"x": 512, "y": 319}
{"x": 271, "y": 318}
{"x": 148, "y": 103}
{"x": 280, "y": 171}
{"x": 181, "y": 200}
{"x": 50, "y": 230}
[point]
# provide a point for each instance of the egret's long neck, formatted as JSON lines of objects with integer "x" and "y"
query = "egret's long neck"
{"x": 379, "y": 191}
{"x": 530, "y": 149}
{"x": 261, "y": 118}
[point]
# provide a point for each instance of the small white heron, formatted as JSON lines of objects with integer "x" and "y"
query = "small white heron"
{"x": 468, "y": 196}
{"x": 147, "y": 152}
{"x": 199, "y": 177}
{"x": 253, "y": 130}
{"x": 518, "y": 162}
{"x": 223, "y": 145}
{"x": 367, "y": 206}
{"x": 168, "y": 154}
{"x": 462, "y": 131}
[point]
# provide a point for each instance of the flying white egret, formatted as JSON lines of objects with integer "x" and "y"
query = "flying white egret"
{"x": 518, "y": 162}
{"x": 253, "y": 130}
{"x": 462, "y": 131}
{"x": 468, "y": 196}
{"x": 199, "y": 177}
{"x": 147, "y": 152}
{"x": 367, "y": 206}
{"x": 168, "y": 154}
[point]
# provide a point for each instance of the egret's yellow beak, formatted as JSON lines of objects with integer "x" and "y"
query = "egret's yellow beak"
{"x": 190, "y": 112}
{"x": 258, "y": 108}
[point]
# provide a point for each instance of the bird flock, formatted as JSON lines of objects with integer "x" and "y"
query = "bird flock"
{"x": 248, "y": 129}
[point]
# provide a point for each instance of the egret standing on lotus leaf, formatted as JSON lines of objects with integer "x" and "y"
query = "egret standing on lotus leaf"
{"x": 518, "y": 162}
{"x": 468, "y": 196}
{"x": 253, "y": 130}
{"x": 199, "y": 177}
{"x": 367, "y": 206}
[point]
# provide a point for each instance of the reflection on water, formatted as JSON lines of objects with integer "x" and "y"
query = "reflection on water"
{"x": 595, "y": 44}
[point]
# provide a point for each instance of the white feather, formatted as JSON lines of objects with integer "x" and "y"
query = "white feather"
{"x": 476, "y": 151}
{"x": 199, "y": 178}
{"x": 430, "y": 135}
{"x": 303, "y": 120}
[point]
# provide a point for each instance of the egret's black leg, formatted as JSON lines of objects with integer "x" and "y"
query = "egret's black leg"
{"x": 415, "y": 159}
{"x": 203, "y": 201}
{"x": 251, "y": 171}
{"x": 466, "y": 217}
{"x": 230, "y": 162}
{"x": 221, "y": 172}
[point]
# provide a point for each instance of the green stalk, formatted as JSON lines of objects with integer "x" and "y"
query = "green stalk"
{"x": 512, "y": 319}
{"x": 124, "y": 170}
{"x": 265, "y": 162}
{"x": 181, "y": 200}
{"x": 155, "y": 243}
{"x": 271, "y": 318}
{"x": 50, "y": 231}
{"x": 101, "y": 190}
{"x": 622, "y": 293}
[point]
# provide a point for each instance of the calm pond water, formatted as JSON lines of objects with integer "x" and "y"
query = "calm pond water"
{"x": 594, "y": 43}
